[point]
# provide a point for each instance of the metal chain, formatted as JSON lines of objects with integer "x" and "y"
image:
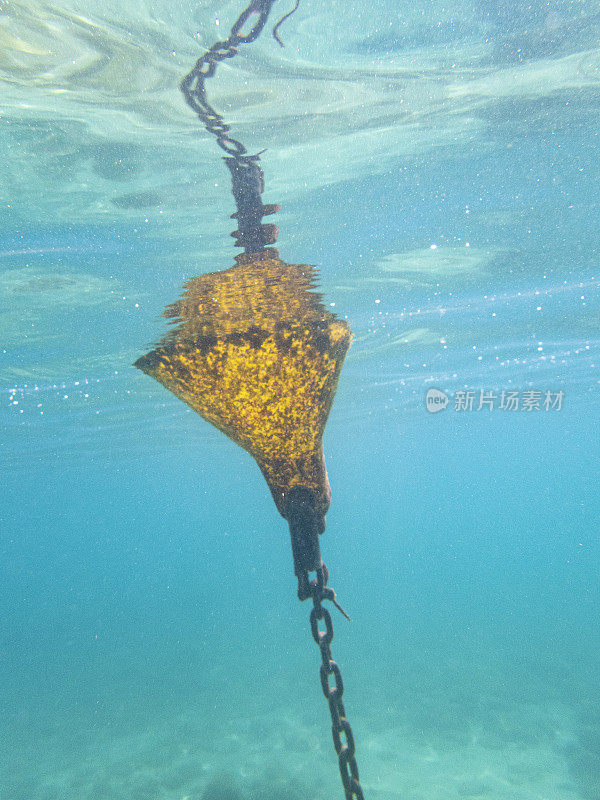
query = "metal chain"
{"x": 246, "y": 174}
{"x": 333, "y": 693}
{"x": 193, "y": 87}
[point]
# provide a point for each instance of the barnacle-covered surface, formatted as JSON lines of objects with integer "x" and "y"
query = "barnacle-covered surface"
{"x": 256, "y": 354}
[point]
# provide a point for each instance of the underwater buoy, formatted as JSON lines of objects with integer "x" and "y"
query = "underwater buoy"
{"x": 255, "y": 353}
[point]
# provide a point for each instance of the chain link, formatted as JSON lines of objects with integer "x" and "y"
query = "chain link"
{"x": 340, "y": 727}
{"x": 246, "y": 174}
{"x": 193, "y": 87}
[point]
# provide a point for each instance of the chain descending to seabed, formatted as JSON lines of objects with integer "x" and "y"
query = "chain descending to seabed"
{"x": 319, "y": 591}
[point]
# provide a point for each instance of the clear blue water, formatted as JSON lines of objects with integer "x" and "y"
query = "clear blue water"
{"x": 440, "y": 168}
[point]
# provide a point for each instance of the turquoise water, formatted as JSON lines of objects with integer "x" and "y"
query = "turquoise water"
{"x": 439, "y": 165}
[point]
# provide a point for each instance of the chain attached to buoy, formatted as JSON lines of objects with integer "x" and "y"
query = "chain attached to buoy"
{"x": 246, "y": 174}
{"x": 340, "y": 727}
{"x": 193, "y": 87}
{"x": 306, "y": 525}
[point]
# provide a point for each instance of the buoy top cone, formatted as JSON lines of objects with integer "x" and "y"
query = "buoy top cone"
{"x": 258, "y": 355}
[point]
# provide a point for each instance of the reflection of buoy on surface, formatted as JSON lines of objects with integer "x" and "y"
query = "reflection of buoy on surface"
{"x": 256, "y": 354}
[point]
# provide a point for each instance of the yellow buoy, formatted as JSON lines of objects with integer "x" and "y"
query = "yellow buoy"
{"x": 258, "y": 355}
